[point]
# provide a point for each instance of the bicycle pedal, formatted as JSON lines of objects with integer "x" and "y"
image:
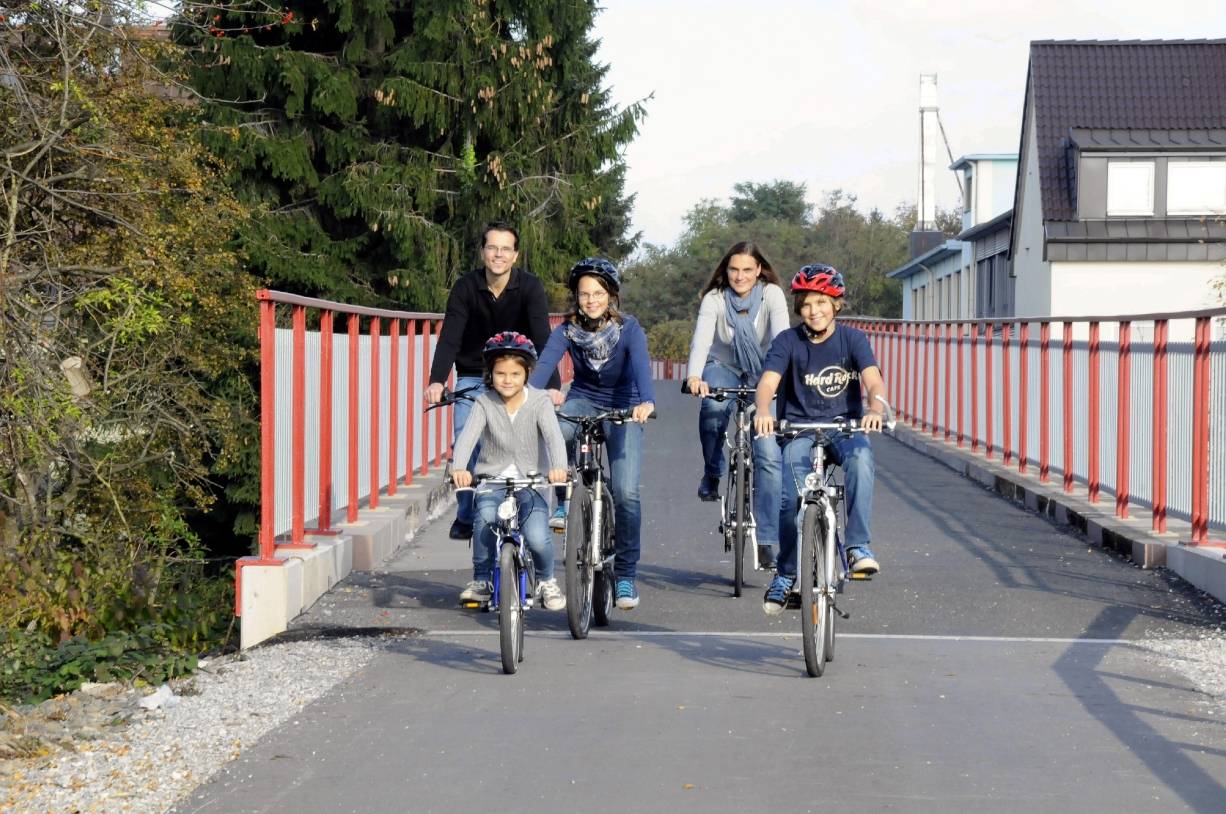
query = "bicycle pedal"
{"x": 861, "y": 576}
{"x": 793, "y": 602}
{"x": 473, "y": 605}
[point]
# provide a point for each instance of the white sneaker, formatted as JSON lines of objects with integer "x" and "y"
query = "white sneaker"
{"x": 552, "y": 597}
{"x": 477, "y": 591}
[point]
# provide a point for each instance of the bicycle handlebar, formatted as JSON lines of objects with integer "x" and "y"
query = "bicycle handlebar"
{"x": 452, "y": 396}
{"x": 501, "y": 481}
{"x": 721, "y": 393}
{"x": 619, "y": 416}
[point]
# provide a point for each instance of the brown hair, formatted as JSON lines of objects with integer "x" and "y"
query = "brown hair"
{"x": 488, "y": 376}
{"x": 799, "y": 297}
{"x": 576, "y": 316}
{"x": 719, "y": 278}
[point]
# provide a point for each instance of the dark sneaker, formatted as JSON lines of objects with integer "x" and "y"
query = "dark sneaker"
{"x": 777, "y": 594}
{"x": 766, "y": 557}
{"x": 708, "y": 488}
{"x": 558, "y": 519}
{"x": 627, "y": 594}
{"x": 460, "y": 530}
{"x": 477, "y": 592}
{"x": 862, "y": 561}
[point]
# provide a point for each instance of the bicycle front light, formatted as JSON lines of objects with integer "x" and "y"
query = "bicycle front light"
{"x": 812, "y": 481}
{"x": 507, "y": 509}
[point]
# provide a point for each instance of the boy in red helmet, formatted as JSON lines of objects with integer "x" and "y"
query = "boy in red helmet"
{"x": 821, "y": 371}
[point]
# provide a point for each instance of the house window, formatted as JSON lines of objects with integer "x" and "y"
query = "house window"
{"x": 1196, "y": 187}
{"x": 1130, "y": 188}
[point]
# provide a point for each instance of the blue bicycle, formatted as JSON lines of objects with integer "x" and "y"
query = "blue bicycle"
{"x": 514, "y": 575}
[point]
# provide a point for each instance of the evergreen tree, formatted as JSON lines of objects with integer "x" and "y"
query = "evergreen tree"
{"x": 379, "y": 135}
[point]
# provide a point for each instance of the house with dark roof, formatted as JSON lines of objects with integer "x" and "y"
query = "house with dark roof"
{"x": 1120, "y": 198}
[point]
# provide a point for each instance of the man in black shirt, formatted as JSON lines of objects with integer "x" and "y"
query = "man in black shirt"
{"x": 497, "y": 297}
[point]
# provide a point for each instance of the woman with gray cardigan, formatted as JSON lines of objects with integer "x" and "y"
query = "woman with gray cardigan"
{"x": 511, "y": 420}
{"x": 741, "y": 311}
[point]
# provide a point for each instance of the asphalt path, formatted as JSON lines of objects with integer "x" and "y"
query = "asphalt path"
{"x": 997, "y": 664}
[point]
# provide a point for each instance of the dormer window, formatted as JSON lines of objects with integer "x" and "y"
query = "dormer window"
{"x": 1196, "y": 187}
{"x": 1130, "y": 188}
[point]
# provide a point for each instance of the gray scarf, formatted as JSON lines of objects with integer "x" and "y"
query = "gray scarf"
{"x": 597, "y": 346}
{"x": 746, "y": 348}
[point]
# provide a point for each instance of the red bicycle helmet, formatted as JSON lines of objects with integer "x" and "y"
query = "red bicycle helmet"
{"x": 820, "y": 278}
{"x": 508, "y": 342}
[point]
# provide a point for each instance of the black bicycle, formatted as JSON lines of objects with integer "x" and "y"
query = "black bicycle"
{"x": 737, "y": 525}
{"x": 590, "y": 525}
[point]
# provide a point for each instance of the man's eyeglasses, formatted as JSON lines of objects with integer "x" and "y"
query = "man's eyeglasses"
{"x": 500, "y": 249}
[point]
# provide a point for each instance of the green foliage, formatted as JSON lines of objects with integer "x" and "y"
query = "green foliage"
{"x": 126, "y": 333}
{"x": 670, "y": 340}
{"x": 380, "y": 135}
{"x": 662, "y": 284}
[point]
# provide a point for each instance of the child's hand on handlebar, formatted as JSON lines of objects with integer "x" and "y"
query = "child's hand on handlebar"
{"x": 764, "y": 424}
{"x": 557, "y": 476}
{"x": 462, "y": 478}
{"x": 642, "y": 412}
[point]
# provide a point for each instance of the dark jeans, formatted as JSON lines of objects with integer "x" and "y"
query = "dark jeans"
{"x": 855, "y": 454}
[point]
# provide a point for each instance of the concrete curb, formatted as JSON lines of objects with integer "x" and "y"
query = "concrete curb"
{"x": 1203, "y": 566}
{"x": 272, "y": 595}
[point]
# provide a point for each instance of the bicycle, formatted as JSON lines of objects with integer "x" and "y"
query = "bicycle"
{"x": 737, "y": 524}
{"x": 823, "y": 569}
{"x": 590, "y": 526}
{"x": 514, "y": 576}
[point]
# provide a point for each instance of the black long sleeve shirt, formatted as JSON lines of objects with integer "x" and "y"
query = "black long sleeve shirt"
{"x": 474, "y": 315}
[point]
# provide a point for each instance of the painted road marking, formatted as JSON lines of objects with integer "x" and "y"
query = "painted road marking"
{"x": 733, "y": 634}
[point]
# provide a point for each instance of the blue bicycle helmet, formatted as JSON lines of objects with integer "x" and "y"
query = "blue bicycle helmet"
{"x": 508, "y": 342}
{"x": 597, "y": 267}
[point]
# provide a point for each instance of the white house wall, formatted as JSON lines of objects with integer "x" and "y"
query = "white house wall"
{"x": 1033, "y": 273}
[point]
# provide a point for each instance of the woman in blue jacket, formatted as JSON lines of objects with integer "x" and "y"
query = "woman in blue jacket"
{"x": 612, "y": 371}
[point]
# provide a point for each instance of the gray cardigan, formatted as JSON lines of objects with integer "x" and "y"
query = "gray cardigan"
{"x": 504, "y": 442}
{"x": 713, "y": 334}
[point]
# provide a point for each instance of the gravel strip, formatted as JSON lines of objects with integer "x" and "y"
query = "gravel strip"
{"x": 164, "y": 754}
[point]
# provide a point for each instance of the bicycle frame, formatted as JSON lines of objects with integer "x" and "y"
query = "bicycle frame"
{"x": 507, "y": 532}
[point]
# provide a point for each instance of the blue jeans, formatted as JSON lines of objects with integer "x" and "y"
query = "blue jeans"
{"x": 533, "y": 524}
{"x": 464, "y": 500}
{"x": 624, "y": 449}
{"x": 855, "y": 454}
{"x": 713, "y": 417}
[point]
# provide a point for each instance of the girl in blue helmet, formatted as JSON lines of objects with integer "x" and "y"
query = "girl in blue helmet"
{"x": 510, "y": 421}
{"x": 612, "y": 371}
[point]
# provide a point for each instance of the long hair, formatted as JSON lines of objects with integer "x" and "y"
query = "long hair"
{"x": 577, "y": 316}
{"x": 719, "y": 278}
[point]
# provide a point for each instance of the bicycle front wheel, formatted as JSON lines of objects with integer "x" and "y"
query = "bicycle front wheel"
{"x": 816, "y": 615}
{"x": 737, "y": 497}
{"x": 510, "y": 609}
{"x": 580, "y": 569}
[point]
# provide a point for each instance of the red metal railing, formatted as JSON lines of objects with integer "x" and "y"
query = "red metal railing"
{"x": 1105, "y": 443}
{"x": 289, "y": 461}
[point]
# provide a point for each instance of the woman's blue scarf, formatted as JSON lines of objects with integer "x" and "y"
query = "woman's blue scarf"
{"x": 746, "y": 347}
{"x": 596, "y": 346}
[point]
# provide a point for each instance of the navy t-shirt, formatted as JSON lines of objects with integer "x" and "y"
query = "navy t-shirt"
{"x": 820, "y": 380}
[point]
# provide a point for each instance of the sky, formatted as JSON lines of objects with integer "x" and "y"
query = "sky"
{"x": 826, "y": 92}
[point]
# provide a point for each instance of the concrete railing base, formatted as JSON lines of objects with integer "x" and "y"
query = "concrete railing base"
{"x": 272, "y": 595}
{"x": 1203, "y": 566}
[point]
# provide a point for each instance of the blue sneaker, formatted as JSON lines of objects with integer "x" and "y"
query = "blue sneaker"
{"x": 862, "y": 561}
{"x": 627, "y": 594}
{"x": 558, "y": 519}
{"x": 776, "y": 598}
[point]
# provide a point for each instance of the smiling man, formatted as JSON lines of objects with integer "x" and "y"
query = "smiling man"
{"x": 497, "y": 297}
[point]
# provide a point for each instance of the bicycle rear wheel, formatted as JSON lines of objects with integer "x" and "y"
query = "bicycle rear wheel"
{"x": 816, "y": 616}
{"x": 510, "y": 610}
{"x": 737, "y": 494}
{"x": 580, "y": 569}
